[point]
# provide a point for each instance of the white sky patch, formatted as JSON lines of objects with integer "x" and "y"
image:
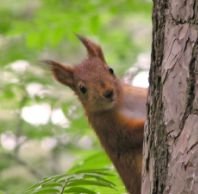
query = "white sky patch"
{"x": 38, "y": 114}
{"x": 137, "y": 75}
{"x": 58, "y": 118}
{"x": 41, "y": 114}
{"x": 143, "y": 61}
{"x": 85, "y": 142}
{"x": 36, "y": 89}
{"x": 48, "y": 143}
{"x": 20, "y": 66}
{"x": 8, "y": 141}
{"x": 141, "y": 80}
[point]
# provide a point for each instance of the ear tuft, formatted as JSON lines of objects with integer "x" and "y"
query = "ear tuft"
{"x": 62, "y": 73}
{"x": 93, "y": 49}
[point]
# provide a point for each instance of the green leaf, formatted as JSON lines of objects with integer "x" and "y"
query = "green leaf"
{"x": 51, "y": 184}
{"x": 102, "y": 171}
{"x": 47, "y": 191}
{"x": 90, "y": 182}
{"x": 79, "y": 190}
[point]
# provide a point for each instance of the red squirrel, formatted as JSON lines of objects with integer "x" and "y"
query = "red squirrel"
{"x": 115, "y": 110}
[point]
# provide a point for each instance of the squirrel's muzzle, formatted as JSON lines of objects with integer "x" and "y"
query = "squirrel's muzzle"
{"x": 108, "y": 94}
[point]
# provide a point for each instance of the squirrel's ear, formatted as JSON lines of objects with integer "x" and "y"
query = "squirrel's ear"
{"x": 93, "y": 49}
{"x": 63, "y": 74}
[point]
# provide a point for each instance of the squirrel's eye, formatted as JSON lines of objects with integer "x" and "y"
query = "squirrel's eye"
{"x": 111, "y": 71}
{"x": 83, "y": 89}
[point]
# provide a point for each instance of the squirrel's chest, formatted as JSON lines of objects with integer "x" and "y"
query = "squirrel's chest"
{"x": 112, "y": 134}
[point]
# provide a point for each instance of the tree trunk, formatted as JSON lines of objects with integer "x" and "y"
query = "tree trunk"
{"x": 170, "y": 163}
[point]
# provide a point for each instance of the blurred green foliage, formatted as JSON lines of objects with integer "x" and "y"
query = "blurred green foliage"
{"x": 40, "y": 29}
{"x": 31, "y": 29}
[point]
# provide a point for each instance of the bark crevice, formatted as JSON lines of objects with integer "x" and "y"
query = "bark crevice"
{"x": 155, "y": 121}
{"x": 191, "y": 86}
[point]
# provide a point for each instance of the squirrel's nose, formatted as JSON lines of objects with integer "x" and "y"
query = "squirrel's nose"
{"x": 108, "y": 94}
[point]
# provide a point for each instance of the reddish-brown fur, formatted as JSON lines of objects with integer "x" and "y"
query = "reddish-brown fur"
{"x": 115, "y": 110}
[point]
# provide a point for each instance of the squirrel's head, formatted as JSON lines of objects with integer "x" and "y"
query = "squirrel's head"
{"x": 92, "y": 80}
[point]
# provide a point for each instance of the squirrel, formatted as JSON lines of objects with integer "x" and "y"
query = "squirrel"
{"x": 115, "y": 110}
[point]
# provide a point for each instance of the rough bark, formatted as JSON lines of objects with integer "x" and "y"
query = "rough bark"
{"x": 170, "y": 163}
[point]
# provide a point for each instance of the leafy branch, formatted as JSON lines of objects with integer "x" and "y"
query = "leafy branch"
{"x": 82, "y": 181}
